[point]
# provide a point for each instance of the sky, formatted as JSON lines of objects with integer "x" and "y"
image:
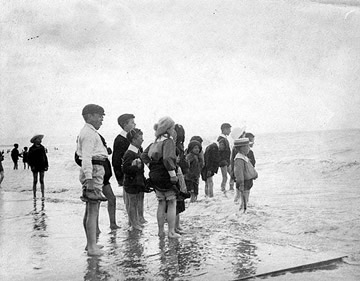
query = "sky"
{"x": 271, "y": 66}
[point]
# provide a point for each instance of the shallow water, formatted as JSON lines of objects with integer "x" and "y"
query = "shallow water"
{"x": 302, "y": 209}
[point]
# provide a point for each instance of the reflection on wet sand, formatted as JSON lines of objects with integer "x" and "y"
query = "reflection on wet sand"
{"x": 245, "y": 259}
{"x": 39, "y": 234}
{"x": 39, "y": 218}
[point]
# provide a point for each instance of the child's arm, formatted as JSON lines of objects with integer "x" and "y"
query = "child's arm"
{"x": 127, "y": 166}
{"x": 239, "y": 167}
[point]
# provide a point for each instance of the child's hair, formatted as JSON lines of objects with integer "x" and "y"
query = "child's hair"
{"x": 124, "y": 119}
{"x": 249, "y": 135}
{"x": 192, "y": 144}
{"x": 180, "y": 133}
{"x": 25, "y": 148}
{"x": 16, "y": 145}
{"x": 197, "y": 138}
{"x": 133, "y": 133}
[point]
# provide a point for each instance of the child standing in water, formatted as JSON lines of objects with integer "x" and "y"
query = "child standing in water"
{"x": 195, "y": 165}
{"x": 243, "y": 171}
{"x": 211, "y": 166}
{"x": 134, "y": 179}
{"x": 38, "y": 162}
{"x": 15, "y": 155}
{"x": 25, "y": 155}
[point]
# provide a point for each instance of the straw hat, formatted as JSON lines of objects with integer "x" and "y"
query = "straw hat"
{"x": 241, "y": 142}
{"x": 34, "y": 138}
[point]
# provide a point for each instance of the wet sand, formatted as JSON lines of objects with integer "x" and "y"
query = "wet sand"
{"x": 43, "y": 239}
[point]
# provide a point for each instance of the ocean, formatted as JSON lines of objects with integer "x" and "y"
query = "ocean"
{"x": 304, "y": 205}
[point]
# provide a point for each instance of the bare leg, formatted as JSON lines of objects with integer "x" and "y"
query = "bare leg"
{"x": 224, "y": 177}
{"x": 237, "y": 196}
{"x": 35, "y": 179}
{"x": 111, "y": 205}
{"x": 171, "y": 215}
{"x": 231, "y": 181}
{"x": 42, "y": 185}
{"x": 161, "y": 217}
{"x": 90, "y": 218}
{"x": 210, "y": 185}
{"x": 142, "y": 220}
{"x": 133, "y": 211}
{"x": 1, "y": 177}
{"x": 246, "y": 197}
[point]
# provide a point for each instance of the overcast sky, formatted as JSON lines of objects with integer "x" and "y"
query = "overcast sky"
{"x": 272, "y": 66}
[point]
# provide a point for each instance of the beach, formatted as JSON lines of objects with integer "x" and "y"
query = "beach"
{"x": 304, "y": 208}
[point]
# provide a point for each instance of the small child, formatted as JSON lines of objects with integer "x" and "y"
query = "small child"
{"x": 183, "y": 168}
{"x": 251, "y": 155}
{"x": 25, "y": 154}
{"x": 15, "y": 154}
{"x": 211, "y": 166}
{"x": 195, "y": 165}
{"x": 134, "y": 179}
{"x": 243, "y": 175}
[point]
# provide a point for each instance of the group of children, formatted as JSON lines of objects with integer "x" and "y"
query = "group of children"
{"x": 15, "y": 155}
{"x": 193, "y": 163}
{"x": 174, "y": 171}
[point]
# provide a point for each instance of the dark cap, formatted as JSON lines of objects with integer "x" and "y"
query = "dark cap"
{"x": 225, "y": 126}
{"x": 123, "y": 118}
{"x": 92, "y": 109}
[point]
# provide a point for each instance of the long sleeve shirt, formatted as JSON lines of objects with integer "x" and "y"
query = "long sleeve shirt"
{"x": 90, "y": 146}
{"x": 121, "y": 144}
{"x": 224, "y": 150}
{"x": 239, "y": 169}
{"x": 161, "y": 156}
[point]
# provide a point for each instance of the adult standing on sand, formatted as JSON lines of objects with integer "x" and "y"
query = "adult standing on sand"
{"x": 93, "y": 154}
{"x": 38, "y": 162}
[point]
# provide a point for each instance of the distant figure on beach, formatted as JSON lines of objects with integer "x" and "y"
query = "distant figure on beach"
{"x": 195, "y": 165}
{"x": 244, "y": 171}
{"x": 225, "y": 153}
{"x": 25, "y": 156}
{"x": 38, "y": 162}
{"x": 134, "y": 180}
{"x": 1, "y": 167}
{"x": 211, "y": 166}
{"x": 161, "y": 157}
{"x": 93, "y": 155}
{"x": 15, "y": 155}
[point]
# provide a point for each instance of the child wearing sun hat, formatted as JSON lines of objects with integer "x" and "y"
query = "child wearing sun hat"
{"x": 244, "y": 172}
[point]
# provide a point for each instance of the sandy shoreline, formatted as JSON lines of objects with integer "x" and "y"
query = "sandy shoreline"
{"x": 44, "y": 240}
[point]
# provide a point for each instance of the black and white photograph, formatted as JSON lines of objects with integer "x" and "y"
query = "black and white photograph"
{"x": 180, "y": 140}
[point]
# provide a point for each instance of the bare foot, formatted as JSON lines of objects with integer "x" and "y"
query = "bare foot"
{"x": 143, "y": 221}
{"x": 114, "y": 226}
{"x": 174, "y": 235}
{"x": 161, "y": 233}
{"x": 179, "y": 230}
{"x": 137, "y": 227}
{"x": 95, "y": 252}
{"x": 99, "y": 246}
